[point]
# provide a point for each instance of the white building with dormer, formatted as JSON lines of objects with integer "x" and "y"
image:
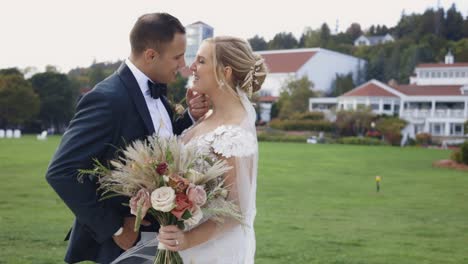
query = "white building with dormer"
{"x": 437, "y": 105}
{"x": 448, "y": 73}
{"x": 373, "y": 40}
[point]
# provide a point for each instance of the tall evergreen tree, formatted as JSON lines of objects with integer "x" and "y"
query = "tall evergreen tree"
{"x": 258, "y": 43}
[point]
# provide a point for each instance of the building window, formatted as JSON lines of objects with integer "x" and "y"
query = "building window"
{"x": 375, "y": 107}
{"x": 265, "y": 93}
{"x": 349, "y": 106}
{"x": 433, "y": 74}
{"x": 437, "y": 129}
{"x": 457, "y": 74}
{"x": 387, "y": 107}
{"x": 438, "y": 74}
{"x": 445, "y": 74}
{"x": 361, "y": 106}
{"x": 456, "y": 129}
{"x": 450, "y": 74}
{"x": 463, "y": 74}
{"x": 418, "y": 129}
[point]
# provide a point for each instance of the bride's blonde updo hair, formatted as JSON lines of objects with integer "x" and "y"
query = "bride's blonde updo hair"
{"x": 248, "y": 69}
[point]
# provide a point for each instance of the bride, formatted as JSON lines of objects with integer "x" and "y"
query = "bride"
{"x": 228, "y": 72}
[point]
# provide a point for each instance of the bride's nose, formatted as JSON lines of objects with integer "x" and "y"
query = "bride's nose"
{"x": 193, "y": 67}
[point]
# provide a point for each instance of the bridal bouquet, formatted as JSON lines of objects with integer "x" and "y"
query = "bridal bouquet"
{"x": 170, "y": 181}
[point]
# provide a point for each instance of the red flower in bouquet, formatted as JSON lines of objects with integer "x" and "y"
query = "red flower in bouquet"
{"x": 161, "y": 169}
{"x": 182, "y": 204}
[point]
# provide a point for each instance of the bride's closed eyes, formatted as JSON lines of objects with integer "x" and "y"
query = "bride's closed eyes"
{"x": 201, "y": 60}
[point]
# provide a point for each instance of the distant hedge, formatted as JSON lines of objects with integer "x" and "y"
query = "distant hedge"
{"x": 361, "y": 141}
{"x": 302, "y": 125}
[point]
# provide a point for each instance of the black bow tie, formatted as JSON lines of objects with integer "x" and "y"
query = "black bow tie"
{"x": 157, "y": 89}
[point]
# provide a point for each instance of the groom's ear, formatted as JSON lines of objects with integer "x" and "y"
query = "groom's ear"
{"x": 151, "y": 55}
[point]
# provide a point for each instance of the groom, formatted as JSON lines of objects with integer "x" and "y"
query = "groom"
{"x": 129, "y": 105}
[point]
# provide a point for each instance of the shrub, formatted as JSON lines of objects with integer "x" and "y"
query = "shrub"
{"x": 373, "y": 133}
{"x": 304, "y": 125}
{"x": 307, "y": 116}
{"x": 391, "y": 129}
{"x": 353, "y": 123}
{"x": 360, "y": 141}
{"x": 456, "y": 156}
{"x": 423, "y": 139}
{"x": 281, "y": 138}
{"x": 464, "y": 152}
{"x": 411, "y": 142}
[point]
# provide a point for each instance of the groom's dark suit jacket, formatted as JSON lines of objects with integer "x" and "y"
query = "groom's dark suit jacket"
{"x": 107, "y": 118}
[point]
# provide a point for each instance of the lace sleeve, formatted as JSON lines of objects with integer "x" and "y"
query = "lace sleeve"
{"x": 233, "y": 141}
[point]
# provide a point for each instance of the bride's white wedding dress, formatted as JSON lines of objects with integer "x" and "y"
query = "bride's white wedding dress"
{"x": 235, "y": 245}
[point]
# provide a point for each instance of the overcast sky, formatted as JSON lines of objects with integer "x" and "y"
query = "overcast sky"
{"x": 68, "y": 34}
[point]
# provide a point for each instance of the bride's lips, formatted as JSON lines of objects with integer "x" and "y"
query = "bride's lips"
{"x": 195, "y": 77}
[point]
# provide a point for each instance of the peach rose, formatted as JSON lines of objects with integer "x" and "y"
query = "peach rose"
{"x": 142, "y": 197}
{"x": 179, "y": 184}
{"x": 196, "y": 194}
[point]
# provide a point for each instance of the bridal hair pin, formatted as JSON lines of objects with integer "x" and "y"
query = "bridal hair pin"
{"x": 256, "y": 69}
{"x": 252, "y": 75}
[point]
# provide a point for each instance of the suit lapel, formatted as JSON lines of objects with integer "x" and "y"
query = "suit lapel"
{"x": 135, "y": 93}
{"x": 168, "y": 106}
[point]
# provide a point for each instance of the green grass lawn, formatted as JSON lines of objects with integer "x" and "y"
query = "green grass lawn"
{"x": 316, "y": 204}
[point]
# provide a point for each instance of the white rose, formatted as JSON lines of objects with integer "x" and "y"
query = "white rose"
{"x": 163, "y": 199}
{"x": 197, "y": 215}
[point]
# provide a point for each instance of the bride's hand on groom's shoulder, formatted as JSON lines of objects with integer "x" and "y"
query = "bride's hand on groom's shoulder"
{"x": 173, "y": 238}
{"x": 198, "y": 104}
{"x": 128, "y": 237}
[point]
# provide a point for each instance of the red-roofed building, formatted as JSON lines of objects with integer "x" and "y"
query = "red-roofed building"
{"x": 435, "y": 103}
{"x": 440, "y": 110}
{"x": 319, "y": 65}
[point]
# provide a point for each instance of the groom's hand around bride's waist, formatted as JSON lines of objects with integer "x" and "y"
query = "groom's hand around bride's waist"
{"x": 128, "y": 237}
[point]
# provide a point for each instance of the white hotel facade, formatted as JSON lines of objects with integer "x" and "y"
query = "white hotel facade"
{"x": 435, "y": 101}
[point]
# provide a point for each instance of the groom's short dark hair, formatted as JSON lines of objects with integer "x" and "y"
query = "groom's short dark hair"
{"x": 153, "y": 31}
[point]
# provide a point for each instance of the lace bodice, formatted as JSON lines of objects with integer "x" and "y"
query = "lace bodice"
{"x": 227, "y": 141}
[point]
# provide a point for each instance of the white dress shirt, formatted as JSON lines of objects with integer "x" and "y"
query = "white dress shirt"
{"x": 161, "y": 120}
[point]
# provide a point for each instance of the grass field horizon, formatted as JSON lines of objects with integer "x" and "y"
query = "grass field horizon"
{"x": 315, "y": 204}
